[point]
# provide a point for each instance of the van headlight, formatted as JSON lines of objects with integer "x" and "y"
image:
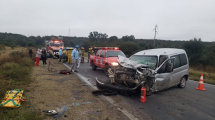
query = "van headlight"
{"x": 115, "y": 64}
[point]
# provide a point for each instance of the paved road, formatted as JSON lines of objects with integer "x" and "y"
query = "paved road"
{"x": 170, "y": 104}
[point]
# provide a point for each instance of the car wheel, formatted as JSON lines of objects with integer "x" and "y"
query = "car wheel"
{"x": 182, "y": 83}
{"x": 93, "y": 66}
{"x": 106, "y": 70}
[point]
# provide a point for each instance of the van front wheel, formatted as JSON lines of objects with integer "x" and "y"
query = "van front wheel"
{"x": 182, "y": 83}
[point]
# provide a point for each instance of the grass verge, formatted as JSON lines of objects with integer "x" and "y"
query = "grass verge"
{"x": 208, "y": 77}
{"x": 15, "y": 73}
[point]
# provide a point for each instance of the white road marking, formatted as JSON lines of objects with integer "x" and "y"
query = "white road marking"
{"x": 124, "y": 111}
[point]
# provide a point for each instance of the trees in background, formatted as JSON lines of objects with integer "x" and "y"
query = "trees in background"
{"x": 113, "y": 38}
{"x": 97, "y": 37}
{"x": 128, "y": 38}
{"x": 199, "y": 53}
{"x": 195, "y": 51}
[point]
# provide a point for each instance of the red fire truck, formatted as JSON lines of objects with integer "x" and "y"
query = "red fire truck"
{"x": 105, "y": 57}
{"x": 55, "y": 45}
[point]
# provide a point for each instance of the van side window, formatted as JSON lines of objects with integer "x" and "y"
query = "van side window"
{"x": 97, "y": 54}
{"x": 177, "y": 62}
{"x": 183, "y": 59}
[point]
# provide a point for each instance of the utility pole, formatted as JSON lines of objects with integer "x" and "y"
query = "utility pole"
{"x": 155, "y": 29}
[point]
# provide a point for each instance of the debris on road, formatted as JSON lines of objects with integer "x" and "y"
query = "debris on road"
{"x": 64, "y": 72}
{"x": 77, "y": 104}
{"x": 61, "y": 111}
{"x": 50, "y": 112}
{"x": 105, "y": 92}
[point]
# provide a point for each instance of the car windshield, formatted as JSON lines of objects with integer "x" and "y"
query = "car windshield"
{"x": 56, "y": 44}
{"x": 114, "y": 53}
{"x": 146, "y": 60}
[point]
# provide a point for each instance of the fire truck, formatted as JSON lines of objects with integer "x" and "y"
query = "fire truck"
{"x": 105, "y": 58}
{"x": 55, "y": 45}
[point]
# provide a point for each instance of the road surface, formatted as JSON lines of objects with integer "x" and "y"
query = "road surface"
{"x": 170, "y": 104}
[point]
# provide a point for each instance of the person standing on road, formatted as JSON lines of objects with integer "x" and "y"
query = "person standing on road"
{"x": 60, "y": 54}
{"x": 30, "y": 52}
{"x": 89, "y": 52}
{"x": 79, "y": 59}
{"x": 43, "y": 56}
{"x": 75, "y": 57}
{"x": 50, "y": 60}
{"x": 38, "y": 56}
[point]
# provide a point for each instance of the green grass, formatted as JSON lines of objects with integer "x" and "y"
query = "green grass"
{"x": 15, "y": 73}
{"x": 208, "y": 77}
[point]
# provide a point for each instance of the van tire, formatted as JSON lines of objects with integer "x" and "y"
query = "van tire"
{"x": 182, "y": 83}
{"x": 93, "y": 66}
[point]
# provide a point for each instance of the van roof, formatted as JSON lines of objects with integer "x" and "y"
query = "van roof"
{"x": 160, "y": 51}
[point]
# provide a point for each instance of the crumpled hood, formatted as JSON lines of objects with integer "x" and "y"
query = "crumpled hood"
{"x": 125, "y": 62}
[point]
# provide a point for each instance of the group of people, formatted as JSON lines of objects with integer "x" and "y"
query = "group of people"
{"x": 77, "y": 56}
{"x": 41, "y": 54}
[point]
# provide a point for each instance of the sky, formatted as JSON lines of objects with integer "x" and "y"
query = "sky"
{"x": 176, "y": 19}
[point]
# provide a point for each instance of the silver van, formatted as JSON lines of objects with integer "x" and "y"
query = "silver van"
{"x": 171, "y": 66}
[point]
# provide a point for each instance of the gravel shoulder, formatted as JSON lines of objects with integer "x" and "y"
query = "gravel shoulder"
{"x": 51, "y": 90}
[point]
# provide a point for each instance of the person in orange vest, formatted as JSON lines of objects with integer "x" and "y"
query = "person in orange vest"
{"x": 82, "y": 55}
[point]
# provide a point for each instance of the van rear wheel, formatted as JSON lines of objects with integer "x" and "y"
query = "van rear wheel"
{"x": 182, "y": 83}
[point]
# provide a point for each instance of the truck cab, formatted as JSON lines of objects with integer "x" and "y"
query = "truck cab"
{"x": 105, "y": 57}
{"x": 55, "y": 45}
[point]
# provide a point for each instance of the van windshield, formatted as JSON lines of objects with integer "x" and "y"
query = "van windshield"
{"x": 146, "y": 60}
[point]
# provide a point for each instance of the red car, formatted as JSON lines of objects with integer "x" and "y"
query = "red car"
{"x": 105, "y": 58}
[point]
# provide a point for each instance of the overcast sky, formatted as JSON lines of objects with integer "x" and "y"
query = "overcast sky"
{"x": 176, "y": 19}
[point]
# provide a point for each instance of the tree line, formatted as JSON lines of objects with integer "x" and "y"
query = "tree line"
{"x": 199, "y": 52}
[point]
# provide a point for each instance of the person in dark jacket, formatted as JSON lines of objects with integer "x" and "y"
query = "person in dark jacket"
{"x": 43, "y": 56}
{"x": 30, "y": 53}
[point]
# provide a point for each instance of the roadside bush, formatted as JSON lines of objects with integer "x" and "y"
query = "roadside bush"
{"x": 2, "y": 47}
{"x": 14, "y": 71}
{"x": 13, "y": 46}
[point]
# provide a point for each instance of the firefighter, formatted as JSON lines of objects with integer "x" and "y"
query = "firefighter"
{"x": 64, "y": 56}
{"x": 90, "y": 52}
{"x": 69, "y": 56}
{"x": 82, "y": 55}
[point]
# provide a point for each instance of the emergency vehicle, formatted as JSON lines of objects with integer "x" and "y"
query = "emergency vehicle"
{"x": 105, "y": 57}
{"x": 55, "y": 45}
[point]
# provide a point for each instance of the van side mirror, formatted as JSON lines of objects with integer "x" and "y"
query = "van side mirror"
{"x": 101, "y": 55}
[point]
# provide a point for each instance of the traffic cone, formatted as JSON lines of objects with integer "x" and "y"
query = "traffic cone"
{"x": 201, "y": 84}
{"x": 143, "y": 94}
